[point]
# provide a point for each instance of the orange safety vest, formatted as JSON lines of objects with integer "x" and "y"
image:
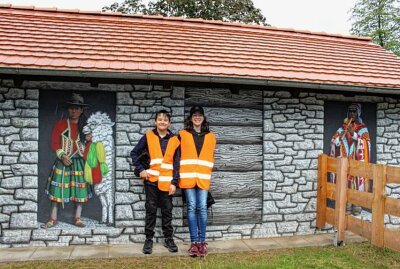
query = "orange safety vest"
{"x": 161, "y": 167}
{"x": 167, "y": 166}
{"x": 196, "y": 170}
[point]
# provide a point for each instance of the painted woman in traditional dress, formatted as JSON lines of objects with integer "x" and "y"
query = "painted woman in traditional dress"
{"x": 66, "y": 182}
{"x": 352, "y": 140}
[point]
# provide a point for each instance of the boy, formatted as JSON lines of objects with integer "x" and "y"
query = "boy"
{"x": 161, "y": 179}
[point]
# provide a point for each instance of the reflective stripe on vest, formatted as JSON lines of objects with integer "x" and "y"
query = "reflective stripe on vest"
{"x": 161, "y": 167}
{"x": 167, "y": 167}
{"x": 156, "y": 161}
{"x": 196, "y": 170}
{"x": 156, "y": 156}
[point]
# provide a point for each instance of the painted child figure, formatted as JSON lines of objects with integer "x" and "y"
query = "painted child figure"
{"x": 161, "y": 179}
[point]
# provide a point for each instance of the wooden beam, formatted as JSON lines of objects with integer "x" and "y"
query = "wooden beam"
{"x": 392, "y": 239}
{"x": 359, "y": 226}
{"x": 341, "y": 197}
{"x": 378, "y": 206}
{"x": 360, "y": 198}
{"x": 321, "y": 193}
{"x": 392, "y": 206}
{"x": 360, "y": 169}
{"x": 331, "y": 165}
{"x": 330, "y": 215}
{"x": 331, "y": 191}
{"x": 392, "y": 174}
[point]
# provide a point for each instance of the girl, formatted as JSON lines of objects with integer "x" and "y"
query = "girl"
{"x": 197, "y": 161}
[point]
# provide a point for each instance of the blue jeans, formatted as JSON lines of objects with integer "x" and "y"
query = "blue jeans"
{"x": 196, "y": 202}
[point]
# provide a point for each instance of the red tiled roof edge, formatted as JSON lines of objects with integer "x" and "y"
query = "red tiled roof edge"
{"x": 192, "y": 20}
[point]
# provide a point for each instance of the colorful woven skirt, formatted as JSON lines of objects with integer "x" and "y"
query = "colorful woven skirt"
{"x": 67, "y": 183}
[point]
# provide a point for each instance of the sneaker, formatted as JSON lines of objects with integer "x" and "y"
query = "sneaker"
{"x": 170, "y": 245}
{"x": 148, "y": 246}
{"x": 193, "y": 250}
{"x": 203, "y": 249}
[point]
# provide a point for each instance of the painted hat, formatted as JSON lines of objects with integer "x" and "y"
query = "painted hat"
{"x": 75, "y": 100}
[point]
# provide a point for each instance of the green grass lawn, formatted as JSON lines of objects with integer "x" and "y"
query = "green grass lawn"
{"x": 357, "y": 255}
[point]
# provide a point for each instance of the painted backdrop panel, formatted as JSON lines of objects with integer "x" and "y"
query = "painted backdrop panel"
{"x": 51, "y": 109}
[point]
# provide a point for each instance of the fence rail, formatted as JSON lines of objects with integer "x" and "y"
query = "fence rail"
{"x": 377, "y": 201}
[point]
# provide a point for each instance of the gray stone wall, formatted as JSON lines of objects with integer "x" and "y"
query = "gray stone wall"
{"x": 18, "y": 163}
{"x": 135, "y": 115}
{"x": 388, "y": 131}
{"x": 292, "y": 139}
{"x": 388, "y": 144}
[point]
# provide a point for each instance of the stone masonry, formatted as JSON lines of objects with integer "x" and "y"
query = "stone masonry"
{"x": 293, "y": 138}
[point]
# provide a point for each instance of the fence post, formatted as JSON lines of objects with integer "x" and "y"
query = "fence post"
{"x": 378, "y": 205}
{"x": 321, "y": 190}
{"x": 341, "y": 198}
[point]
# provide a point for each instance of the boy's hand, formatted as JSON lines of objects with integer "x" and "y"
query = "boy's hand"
{"x": 143, "y": 175}
{"x": 172, "y": 190}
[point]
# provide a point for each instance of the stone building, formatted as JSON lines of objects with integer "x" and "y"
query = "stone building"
{"x": 273, "y": 97}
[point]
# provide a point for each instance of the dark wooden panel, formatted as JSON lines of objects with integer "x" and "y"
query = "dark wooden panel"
{"x": 236, "y": 184}
{"x": 231, "y": 157}
{"x": 236, "y": 211}
{"x": 224, "y": 98}
{"x": 236, "y": 117}
{"x": 238, "y": 134}
{"x": 233, "y": 212}
{"x": 233, "y": 116}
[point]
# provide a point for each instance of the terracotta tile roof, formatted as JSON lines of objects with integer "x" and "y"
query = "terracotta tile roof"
{"x": 72, "y": 40}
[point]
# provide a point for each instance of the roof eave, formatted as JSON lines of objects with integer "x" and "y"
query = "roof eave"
{"x": 198, "y": 78}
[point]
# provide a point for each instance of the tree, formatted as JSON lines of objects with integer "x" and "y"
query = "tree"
{"x": 128, "y": 7}
{"x": 224, "y": 10}
{"x": 379, "y": 19}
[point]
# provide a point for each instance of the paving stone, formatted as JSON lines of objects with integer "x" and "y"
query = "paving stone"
{"x": 97, "y": 251}
{"x": 292, "y": 241}
{"x": 262, "y": 244}
{"x": 52, "y": 253}
{"x": 16, "y": 254}
{"x": 223, "y": 246}
{"x": 117, "y": 251}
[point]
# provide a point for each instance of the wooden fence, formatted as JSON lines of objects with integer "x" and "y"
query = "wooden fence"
{"x": 377, "y": 201}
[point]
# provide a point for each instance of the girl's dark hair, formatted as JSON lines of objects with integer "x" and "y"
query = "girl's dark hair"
{"x": 205, "y": 126}
{"x": 165, "y": 112}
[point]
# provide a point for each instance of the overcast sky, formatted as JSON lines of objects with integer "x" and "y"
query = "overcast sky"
{"x": 329, "y": 16}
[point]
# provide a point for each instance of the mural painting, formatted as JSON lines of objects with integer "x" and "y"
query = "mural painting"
{"x": 77, "y": 190}
{"x": 352, "y": 139}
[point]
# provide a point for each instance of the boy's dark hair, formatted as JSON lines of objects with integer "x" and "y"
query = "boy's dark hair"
{"x": 165, "y": 112}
